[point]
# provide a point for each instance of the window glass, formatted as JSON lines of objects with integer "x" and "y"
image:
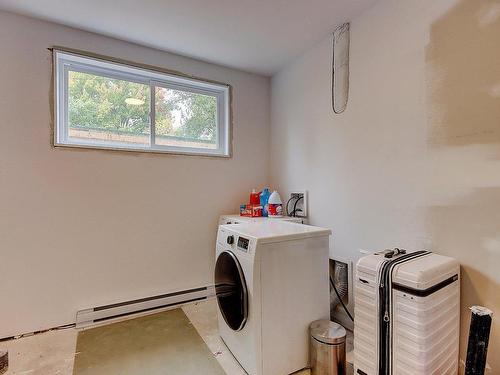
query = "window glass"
{"x": 185, "y": 119}
{"x": 107, "y": 110}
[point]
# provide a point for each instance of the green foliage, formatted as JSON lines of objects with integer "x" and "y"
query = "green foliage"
{"x": 163, "y": 113}
{"x": 100, "y": 103}
{"x": 199, "y": 116}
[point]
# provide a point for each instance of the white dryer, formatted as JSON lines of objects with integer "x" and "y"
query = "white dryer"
{"x": 271, "y": 280}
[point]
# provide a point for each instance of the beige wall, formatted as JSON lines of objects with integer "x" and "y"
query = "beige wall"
{"x": 415, "y": 159}
{"x": 80, "y": 228}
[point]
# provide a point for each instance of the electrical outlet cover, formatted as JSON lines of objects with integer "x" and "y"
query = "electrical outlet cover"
{"x": 302, "y": 204}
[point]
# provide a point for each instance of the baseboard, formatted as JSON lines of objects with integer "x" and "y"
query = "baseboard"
{"x": 142, "y": 306}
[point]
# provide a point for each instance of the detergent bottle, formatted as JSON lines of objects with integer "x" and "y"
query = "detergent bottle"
{"x": 255, "y": 197}
{"x": 275, "y": 207}
{"x": 264, "y": 201}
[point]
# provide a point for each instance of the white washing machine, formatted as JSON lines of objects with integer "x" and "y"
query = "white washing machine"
{"x": 271, "y": 280}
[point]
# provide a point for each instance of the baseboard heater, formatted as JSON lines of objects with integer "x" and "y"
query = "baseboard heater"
{"x": 102, "y": 314}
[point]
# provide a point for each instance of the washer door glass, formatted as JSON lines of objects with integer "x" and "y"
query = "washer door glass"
{"x": 231, "y": 290}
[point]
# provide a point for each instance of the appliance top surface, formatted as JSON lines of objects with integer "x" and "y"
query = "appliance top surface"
{"x": 259, "y": 218}
{"x": 276, "y": 231}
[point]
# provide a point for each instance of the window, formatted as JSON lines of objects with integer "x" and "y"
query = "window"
{"x": 103, "y": 104}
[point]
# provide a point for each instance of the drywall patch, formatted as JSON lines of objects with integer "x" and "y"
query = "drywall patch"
{"x": 463, "y": 69}
{"x": 463, "y": 138}
{"x": 463, "y": 229}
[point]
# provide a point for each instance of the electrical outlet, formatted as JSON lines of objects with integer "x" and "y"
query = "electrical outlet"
{"x": 298, "y": 203}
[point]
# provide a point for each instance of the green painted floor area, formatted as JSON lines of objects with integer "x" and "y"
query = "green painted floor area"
{"x": 165, "y": 343}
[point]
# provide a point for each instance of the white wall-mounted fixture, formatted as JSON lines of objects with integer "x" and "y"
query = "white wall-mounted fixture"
{"x": 340, "y": 68}
{"x": 142, "y": 306}
{"x": 297, "y": 203}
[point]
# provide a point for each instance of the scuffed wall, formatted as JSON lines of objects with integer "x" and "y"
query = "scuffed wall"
{"x": 462, "y": 63}
{"x": 83, "y": 228}
{"x": 414, "y": 161}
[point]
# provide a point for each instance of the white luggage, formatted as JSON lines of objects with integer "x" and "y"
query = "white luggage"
{"x": 407, "y": 314}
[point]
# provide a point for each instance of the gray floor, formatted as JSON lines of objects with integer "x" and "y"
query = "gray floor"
{"x": 159, "y": 344}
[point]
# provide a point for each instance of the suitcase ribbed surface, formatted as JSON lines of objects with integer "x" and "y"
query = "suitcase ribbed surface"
{"x": 424, "y": 329}
{"x": 366, "y": 316}
{"x": 425, "y": 332}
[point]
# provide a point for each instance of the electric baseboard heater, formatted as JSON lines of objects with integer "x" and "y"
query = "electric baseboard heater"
{"x": 407, "y": 314}
{"x": 102, "y": 314}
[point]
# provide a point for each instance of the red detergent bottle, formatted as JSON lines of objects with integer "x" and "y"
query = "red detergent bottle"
{"x": 255, "y": 197}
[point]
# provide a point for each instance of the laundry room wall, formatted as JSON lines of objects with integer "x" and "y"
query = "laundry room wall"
{"x": 413, "y": 162}
{"x": 82, "y": 228}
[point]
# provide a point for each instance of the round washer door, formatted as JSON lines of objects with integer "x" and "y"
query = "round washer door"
{"x": 231, "y": 290}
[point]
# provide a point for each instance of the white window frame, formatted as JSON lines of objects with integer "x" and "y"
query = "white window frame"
{"x": 68, "y": 61}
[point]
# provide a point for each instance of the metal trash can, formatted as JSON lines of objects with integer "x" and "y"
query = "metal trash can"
{"x": 327, "y": 348}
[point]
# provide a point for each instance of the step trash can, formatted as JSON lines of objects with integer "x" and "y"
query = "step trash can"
{"x": 327, "y": 348}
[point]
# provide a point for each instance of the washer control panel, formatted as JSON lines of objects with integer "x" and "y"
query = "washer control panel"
{"x": 243, "y": 244}
{"x": 234, "y": 241}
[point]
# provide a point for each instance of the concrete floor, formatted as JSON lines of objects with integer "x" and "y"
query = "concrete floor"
{"x": 53, "y": 352}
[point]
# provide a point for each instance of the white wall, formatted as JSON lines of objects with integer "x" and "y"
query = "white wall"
{"x": 81, "y": 228}
{"x": 414, "y": 160}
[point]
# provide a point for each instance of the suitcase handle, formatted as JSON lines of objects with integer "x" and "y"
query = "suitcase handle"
{"x": 391, "y": 253}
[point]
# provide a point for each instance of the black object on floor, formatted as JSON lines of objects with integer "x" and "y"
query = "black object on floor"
{"x": 4, "y": 362}
{"x": 479, "y": 335}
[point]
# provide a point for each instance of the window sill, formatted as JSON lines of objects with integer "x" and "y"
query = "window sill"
{"x": 141, "y": 150}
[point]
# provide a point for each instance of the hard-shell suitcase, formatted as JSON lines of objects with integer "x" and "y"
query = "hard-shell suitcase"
{"x": 407, "y": 314}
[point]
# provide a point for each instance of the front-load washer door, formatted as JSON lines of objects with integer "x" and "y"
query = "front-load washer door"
{"x": 231, "y": 290}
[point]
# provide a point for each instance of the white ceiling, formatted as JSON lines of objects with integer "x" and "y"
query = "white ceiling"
{"x": 258, "y": 36}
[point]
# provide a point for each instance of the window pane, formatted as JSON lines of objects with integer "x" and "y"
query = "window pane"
{"x": 104, "y": 110}
{"x": 185, "y": 119}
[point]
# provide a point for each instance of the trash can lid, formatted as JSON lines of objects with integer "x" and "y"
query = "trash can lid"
{"x": 327, "y": 331}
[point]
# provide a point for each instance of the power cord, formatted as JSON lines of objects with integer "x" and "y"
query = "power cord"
{"x": 287, "y": 202}
{"x": 294, "y": 212}
{"x": 340, "y": 299}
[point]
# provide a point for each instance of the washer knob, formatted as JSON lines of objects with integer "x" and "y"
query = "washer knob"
{"x": 230, "y": 240}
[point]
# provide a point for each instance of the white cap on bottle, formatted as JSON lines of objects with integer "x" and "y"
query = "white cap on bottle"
{"x": 275, "y": 198}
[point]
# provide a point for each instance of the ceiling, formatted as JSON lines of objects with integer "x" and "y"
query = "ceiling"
{"x": 258, "y": 36}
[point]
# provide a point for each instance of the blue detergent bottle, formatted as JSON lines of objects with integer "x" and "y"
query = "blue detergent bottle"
{"x": 264, "y": 199}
